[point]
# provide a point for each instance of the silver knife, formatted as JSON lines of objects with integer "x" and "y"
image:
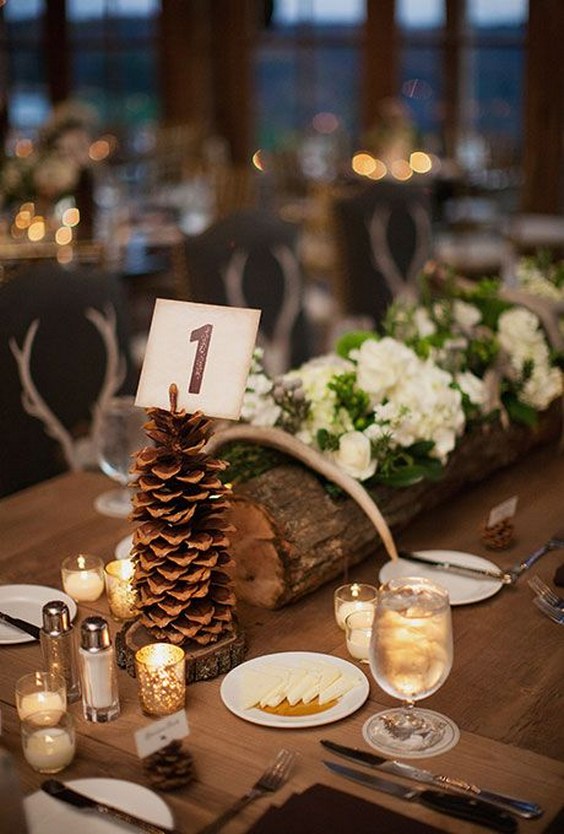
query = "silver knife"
{"x": 61, "y": 791}
{"x": 463, "y": 807}
{"x": 528, "y": 810}
{"x": 23, "y": 625}
{"x": 462, "y": 570}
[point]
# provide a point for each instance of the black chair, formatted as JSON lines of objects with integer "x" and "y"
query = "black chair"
{"x": 383, "y": 238}
{"x": 63, "y": 346}
{"x": 249, "y": 259}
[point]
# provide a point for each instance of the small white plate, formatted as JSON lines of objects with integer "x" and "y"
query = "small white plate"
{"x": 26, "y": 602}
{"x": 461, "y": 589}
{"x": 47, "y": 815}
{"x": 351, "y": 701}
{"x": 123, "y": 548}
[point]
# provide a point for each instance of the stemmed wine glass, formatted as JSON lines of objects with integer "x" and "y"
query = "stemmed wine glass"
{"x": 119, "y": 434}
{"x": 410, "y": 658}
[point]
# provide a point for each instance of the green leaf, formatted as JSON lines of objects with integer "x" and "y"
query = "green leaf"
{"x": 352, "y": 340}
{"x": 519, "y": 412}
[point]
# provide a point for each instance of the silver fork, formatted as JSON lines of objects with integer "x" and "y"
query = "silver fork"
{"x": 273, "y": 778}
{"x": 553, "y": 613}
{"x": 542, "y": 590}
{"x": 554, "y": 543}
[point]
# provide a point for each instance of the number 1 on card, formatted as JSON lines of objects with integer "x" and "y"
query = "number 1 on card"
{"x": 201, "y": 335}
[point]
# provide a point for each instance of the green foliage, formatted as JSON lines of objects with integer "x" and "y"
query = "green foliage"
{"x": 247, "y": 461}
{"x": 352, "y": 398}
{"x": 351, "y": 341}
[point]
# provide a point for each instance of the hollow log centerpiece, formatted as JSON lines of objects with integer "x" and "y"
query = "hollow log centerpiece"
{"x": 180, "y": 548}
{"x": 293, "y": 535}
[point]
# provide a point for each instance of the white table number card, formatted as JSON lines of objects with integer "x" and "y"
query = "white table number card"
{"x": 206, "y": 350}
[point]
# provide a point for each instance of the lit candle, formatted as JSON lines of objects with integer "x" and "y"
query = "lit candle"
{"x": 49, "y": 749}
{"x": 41, "y": 694}
{"x": 49, "y": 704}
{"x": 83, "y": 577}
{"x": 160, "y": 672}
{"x": 358, "y": 629}
{"x": 355, "y": 597}
{"x": 122, "y": 596}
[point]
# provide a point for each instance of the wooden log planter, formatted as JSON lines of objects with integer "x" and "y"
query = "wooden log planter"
{"x": 292, "y": 536}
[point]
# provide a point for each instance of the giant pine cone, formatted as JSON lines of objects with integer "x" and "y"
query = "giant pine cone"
{"x": 180, "y": 543}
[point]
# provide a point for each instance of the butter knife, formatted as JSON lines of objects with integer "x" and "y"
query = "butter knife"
{"x": 462, "y": 807}
{"x": 23, "y": 625}
{"x": 61, "y": 791}
{"x": 528, "y": 810}
{"x": 462, "y": 570}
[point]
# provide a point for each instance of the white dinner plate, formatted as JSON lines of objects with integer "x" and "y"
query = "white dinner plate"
{"x": 47, "y": 815}
{"x": 461, "y": 589}
{"x": 348, "y": 703}
{"x": 123, "y": 548}
{"x": 26, "y": 602}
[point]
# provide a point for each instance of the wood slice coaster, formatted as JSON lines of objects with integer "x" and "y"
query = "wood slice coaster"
{"x": 202, "y": 662}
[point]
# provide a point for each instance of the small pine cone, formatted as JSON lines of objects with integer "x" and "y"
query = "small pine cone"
{"x": 500, "y": 536}
{"x": 169, "y": 768}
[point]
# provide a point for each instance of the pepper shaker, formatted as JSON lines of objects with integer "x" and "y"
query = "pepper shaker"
{"x": 58, "y": 644}
{"x": 100, "y": 697}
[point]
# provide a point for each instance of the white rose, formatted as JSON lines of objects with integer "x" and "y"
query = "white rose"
{"x": 354, "y": 455}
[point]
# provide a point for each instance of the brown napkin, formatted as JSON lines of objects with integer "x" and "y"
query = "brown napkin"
{"x": 320, "y": 809}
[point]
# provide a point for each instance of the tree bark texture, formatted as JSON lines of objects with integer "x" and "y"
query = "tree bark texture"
{"x": 292, "y": 536}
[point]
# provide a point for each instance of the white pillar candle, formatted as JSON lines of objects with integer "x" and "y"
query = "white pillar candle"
{"x": 49, "y": 749}
{"x": 83, "y": 577}
{"x": 358, "y": 629}
{"x": 49, "y": 703}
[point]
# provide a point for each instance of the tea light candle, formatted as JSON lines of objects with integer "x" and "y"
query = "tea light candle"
{"x": 83, "y": 577}
{"x": 49, "y": 749}
{"x": 122, "y": 596}
{"x": 160, "y": 672}
{"x": 355, "y": 597}
{"x": 49, "y": 704}
{"x": 41, "y": 694}
{"x": 358, "y": 630}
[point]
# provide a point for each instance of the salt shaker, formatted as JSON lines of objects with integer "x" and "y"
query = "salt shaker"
{"x": 100, "y": 697}
{"x": 58, "y": 645}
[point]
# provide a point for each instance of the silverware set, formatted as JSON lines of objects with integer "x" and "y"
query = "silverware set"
{"x": 547, "y": 601}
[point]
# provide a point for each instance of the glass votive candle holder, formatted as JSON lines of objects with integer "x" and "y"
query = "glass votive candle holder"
{"x": 83, "y": 577}
{"x": 358, "y": 630}
{"x": 42, "y": 693}
{"x": 355, "y": 597}
{"x": 48, "y": 741}
{"x": 160, "y": 669}
{"x": 122, "y": 596}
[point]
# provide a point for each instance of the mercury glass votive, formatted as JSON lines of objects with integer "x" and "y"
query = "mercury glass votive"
{"x": 355, "y": 597}
{"x": 41, "y": 693}
{"x": 48, "y": 741}
{"x": 161, "y": 678}
{"x": 83, "y": 577}
{"x": 122, "y": 596}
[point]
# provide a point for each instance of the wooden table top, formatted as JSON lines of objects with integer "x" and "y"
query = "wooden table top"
{"x": 505, "y": 690}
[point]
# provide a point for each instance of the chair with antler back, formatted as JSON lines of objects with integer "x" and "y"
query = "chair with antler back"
{"x": 383, "y": 238}
{"x": 249, "y": 259}
{"x": 63, "y": 353}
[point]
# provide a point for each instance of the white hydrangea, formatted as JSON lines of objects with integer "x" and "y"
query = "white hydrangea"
{"x": 466, "y": 316}
{"x": 423, "y": 322}
{"x": 475, "y": 389}
{"x": 425, "y": 406}
{"x": 315, "y": 375}
{"x": 522, "y": 338}
{"x": 382, "y": 364}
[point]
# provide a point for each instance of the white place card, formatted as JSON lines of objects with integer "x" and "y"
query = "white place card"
{"x": 205, "y": 350}
{"x": 160, "y": 733}
{"x": 502, "y": 511}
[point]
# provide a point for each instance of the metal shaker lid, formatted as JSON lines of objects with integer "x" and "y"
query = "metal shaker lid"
{"x": 56, "y": 617}
{"x": 94, "y": 634}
